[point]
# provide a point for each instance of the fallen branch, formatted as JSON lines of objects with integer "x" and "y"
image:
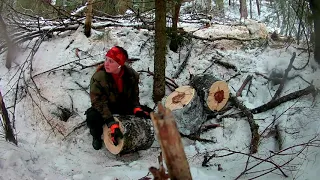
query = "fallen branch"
{"x": 246, "y": 81}
{"x": 169, "y": 81}
{"x": 226, "y": 65}
{"x": 222, "y": 38}
{"x": 253, "y": 126}
{"x": 184, "y": 63}
{"x": 197, "y": 138}
{"x": 294, "y": 95}
{"x": 285, "y": 76}
{"x": 80, "y": 125}
{"x": 272, "y": 104}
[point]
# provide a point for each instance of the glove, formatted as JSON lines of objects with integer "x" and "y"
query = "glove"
{"x": 116, "y": 133}
{"x": 138, "y": 112}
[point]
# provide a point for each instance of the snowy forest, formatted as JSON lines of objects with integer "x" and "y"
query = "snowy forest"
{"x": 233, "y": 87}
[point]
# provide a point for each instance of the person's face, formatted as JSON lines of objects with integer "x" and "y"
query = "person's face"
{"x": 111, "y": 66}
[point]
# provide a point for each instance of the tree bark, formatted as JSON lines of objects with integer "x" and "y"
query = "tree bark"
{"x": 315, "y": 8}
{"x": 174, "y": 44}
{"x": 243, "y": 9}
{"x": 159, "y": 51}
{"x": 171, "y": 145}
{"x": 9, "y": 135}
{"x": 87, "y": 24}
{"x": 10, "y": 55}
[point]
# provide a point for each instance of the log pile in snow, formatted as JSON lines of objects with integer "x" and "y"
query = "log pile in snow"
{"x": 190, "y": 105}
{"x": 138, "y": 135}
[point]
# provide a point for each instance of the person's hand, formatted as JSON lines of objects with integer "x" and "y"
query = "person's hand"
{"x": 116, "y": 133}
{"x": 138, "y": 112}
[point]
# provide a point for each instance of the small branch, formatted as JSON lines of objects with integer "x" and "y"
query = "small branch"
{"x": 80, "y": 125}
{"x": 278, "y": 137}
{"x": 253, "y": 126}
{"x": 196, "y": 138}
{"x": 246, "y": 81}
{"x": 227, "y": 65}
{"x": 285, "y": 76}
{"x": 184, "y": 63}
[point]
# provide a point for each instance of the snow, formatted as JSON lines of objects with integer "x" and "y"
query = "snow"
{"x": 43, "y": 154}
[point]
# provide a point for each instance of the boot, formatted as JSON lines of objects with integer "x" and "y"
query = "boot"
{"x": 97, "y": 143}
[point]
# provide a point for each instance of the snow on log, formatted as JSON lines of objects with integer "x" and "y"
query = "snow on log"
{"x": 213, "y": 92}
{"x": 138, "y": 135}
{"x": 187, "y": 109}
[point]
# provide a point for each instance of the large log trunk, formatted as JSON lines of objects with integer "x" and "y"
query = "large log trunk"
{"x": 187, "y": 109}
{"x": 138, "y": 135}
{"x": 213, "y": 92}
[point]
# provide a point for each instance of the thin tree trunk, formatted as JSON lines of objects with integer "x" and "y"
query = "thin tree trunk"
{"x": 6, "y": 123}
{"x": 87, "y": 24}
{"x": 258, "y": 7}
{"x": 174, "y": 45}
{"x": 314, "y": 6}
{"x": 243, "y": 9}
{"x": 10, "y": 55}
{"x": 250, "y": 9}
{"x": 159, "y": 51}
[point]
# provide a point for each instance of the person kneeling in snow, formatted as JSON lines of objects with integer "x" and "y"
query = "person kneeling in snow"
{"x": 113, "y": 90}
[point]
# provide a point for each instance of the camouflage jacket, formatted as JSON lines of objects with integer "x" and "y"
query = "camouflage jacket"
{"x": 105, "y": 97}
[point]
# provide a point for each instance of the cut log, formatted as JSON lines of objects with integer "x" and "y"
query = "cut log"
{"x": 187, "y": 109}
{"x": 213, "y": 92}
{"x": 138, "y": 135}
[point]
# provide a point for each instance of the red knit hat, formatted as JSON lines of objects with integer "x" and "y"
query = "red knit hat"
{"x": 117, "y": 54}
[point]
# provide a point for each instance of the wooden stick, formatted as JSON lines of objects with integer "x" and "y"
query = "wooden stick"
{"x": 171, "y": 145}
{"x": 246, "y": 81}
{"x": 284, "y": 79}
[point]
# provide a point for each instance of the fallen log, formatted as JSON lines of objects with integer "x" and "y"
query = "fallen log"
{"x": 171, "y": 144}
{"x": 138, "y": 135}
{"x": 213, "y": 92}
{"x": 187, "y": 109}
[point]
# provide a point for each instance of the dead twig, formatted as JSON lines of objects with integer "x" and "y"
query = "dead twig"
{"x": 184, "y": 63}
{"x": 246, "y": 81}
{"x": 253, "y": 126}
{"x": 285, "y": 76}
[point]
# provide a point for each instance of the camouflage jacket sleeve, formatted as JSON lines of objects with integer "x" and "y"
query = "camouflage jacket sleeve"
{"x": 136, "y": 89}
{"x": 98, "y": 95}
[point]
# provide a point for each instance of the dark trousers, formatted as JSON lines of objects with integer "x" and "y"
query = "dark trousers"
{"x": 95, "y": 121}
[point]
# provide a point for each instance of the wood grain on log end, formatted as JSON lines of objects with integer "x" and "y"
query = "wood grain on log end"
{"x": 108, "y": 142}
{"x": 218, "y": 95}
{"x": 180, "y": 97}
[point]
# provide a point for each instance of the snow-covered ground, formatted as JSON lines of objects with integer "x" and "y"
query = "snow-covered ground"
{"x": 44, "y": 154}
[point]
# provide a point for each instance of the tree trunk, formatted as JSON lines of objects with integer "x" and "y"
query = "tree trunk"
{"x": 10, "y": 54}
{"x": 174, "y": 44}
{"x": 159, "y": 51}
{"x": 87, "y": 24}
{"x": 243, "y": 9}
{"x": 138, "y": 135}
{"x": 258, "y": 7}
{"x": 171, "y": 145}
{"x": 315, "y": 8}
{"x": 6, "y": 123}
{"x": 187, "y": 109}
